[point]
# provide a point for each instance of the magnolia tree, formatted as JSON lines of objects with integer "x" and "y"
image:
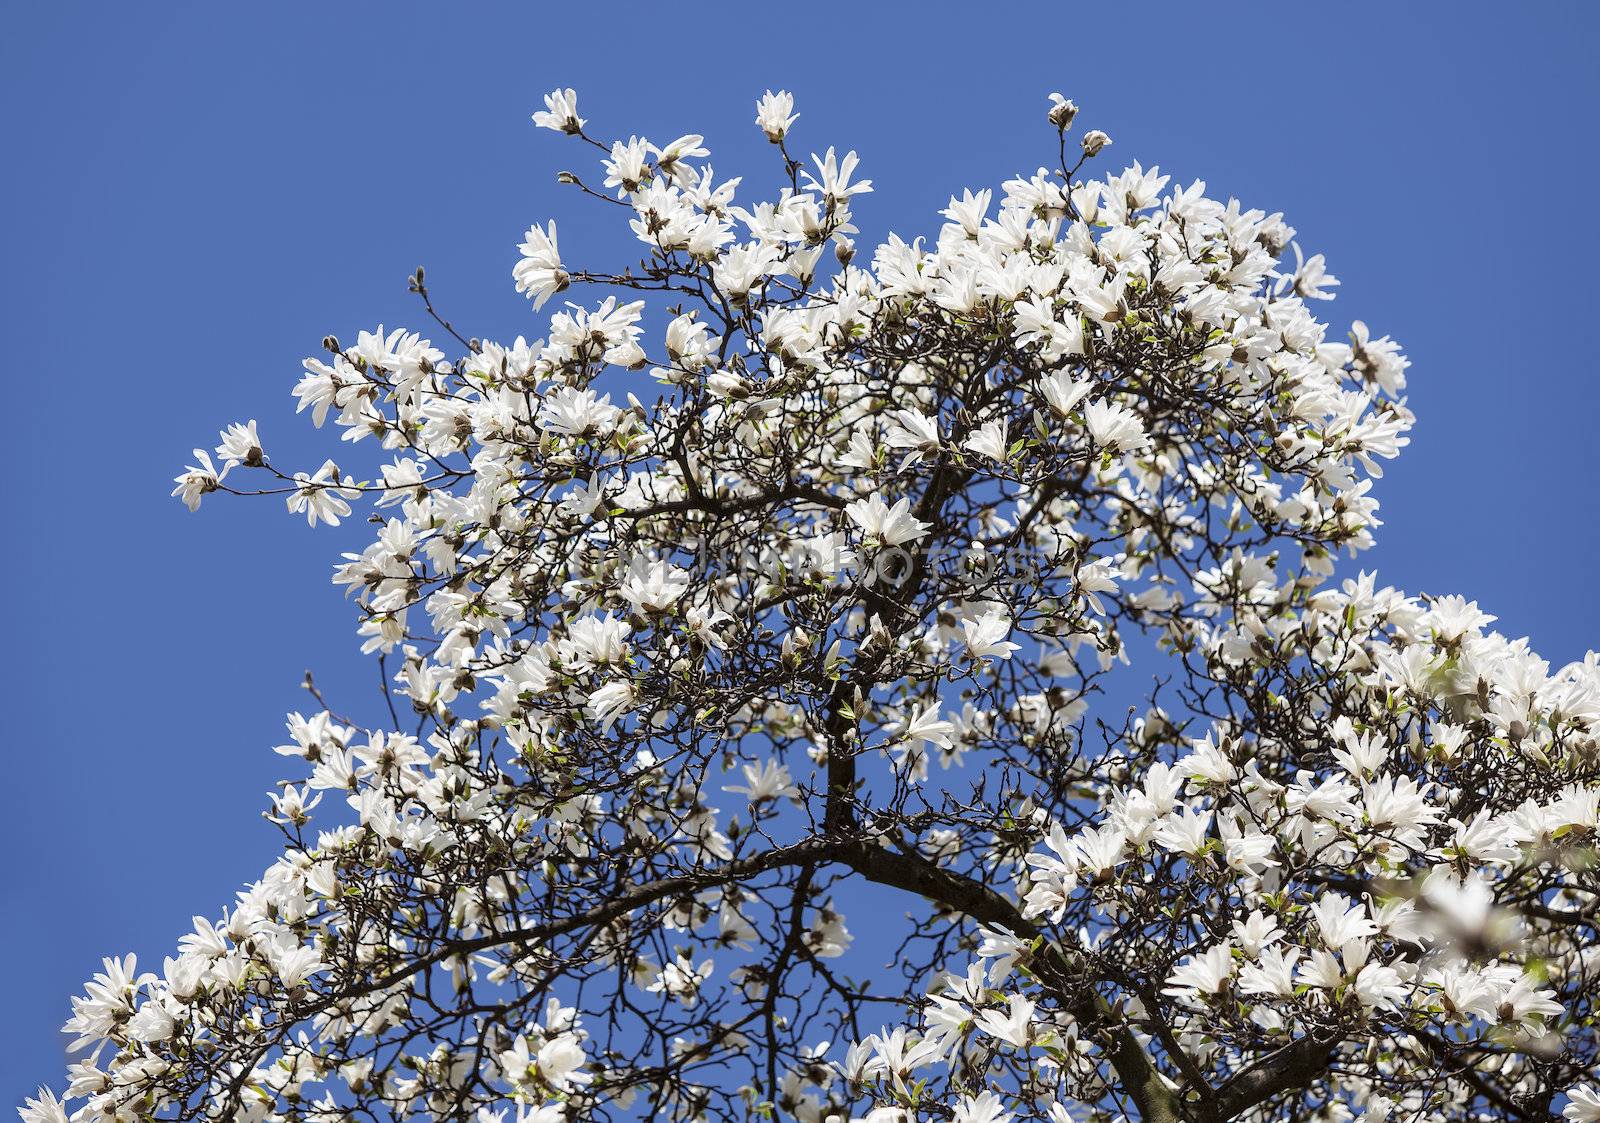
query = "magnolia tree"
{"x": 762, "y": 606}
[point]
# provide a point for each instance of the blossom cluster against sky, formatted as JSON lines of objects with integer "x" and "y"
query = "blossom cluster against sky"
{"x": 198, "y": 195}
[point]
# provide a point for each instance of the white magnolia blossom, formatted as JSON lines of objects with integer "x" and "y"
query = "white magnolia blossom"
{"x": 773, "y": 567}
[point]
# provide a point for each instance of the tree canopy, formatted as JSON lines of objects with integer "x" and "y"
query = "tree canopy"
{"x": 780, "y": 605}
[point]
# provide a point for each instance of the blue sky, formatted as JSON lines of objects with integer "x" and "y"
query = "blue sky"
{"x": 196, "y": 193}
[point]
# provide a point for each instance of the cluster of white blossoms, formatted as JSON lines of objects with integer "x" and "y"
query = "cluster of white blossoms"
{"x": 775, "y": 580}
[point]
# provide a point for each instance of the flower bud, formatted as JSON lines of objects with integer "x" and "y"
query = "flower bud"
{"x": 1062, "y": 112}
{"x": 1094, "y": 141}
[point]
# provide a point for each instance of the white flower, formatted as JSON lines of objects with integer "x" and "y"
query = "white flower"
{"x": 740, "y": 268}
{"x": 913, "y": 430}
{"x": 320, "y": 495}
{"x": 561, "y": 1062}
{"x": 584, "y": 499}
{"x": 199, "y": 480}
{"x": 1340, "y": 922}
{"x": 989, "y": 440}
{"x": 775, "y": 114}
{"x": 1524, "y": 1002}
{"x": 657, "y": 589}
{"x": 833, "y": 177}
{"x": 1272, "y": 973}
{"x": 154, "y": 1022}
{"x": 296, "y": 963}
{"x": 687, "y": 147}
{"x": 926, "y": 725}
{"x": 1097, "y": 577}
{"x": 578, "y": 413}
{"x": 1114, "y": 427}
{"x": 682, "y": 980}
{"x": 763, "y": 782}
{"x": 241, "y": 445}
{"x": 1207, "y": 763}
{"x": 1256, "y": 932}
{"x": 610, "y": 702}
{"x": 985, "y": 636}
{"x": 1184, "y": 833}
{"x": 1311, "y": 277}
{"x": 985, "y": 1108}
{"x": 1100, "y": 850}
{"x": 46, "y": 1108}
{"x": 1014, "y": 1026}
{"x": 1208, "y": 973}
{"x": 890, "y": 526}
{"x": 690, "y": 343}
{"x": 1063, "y": 392}
{"x": 1248, "y": 852}
{"x": 560, "y": 112}
{"x": 1583, "y": 1104}
{"x": 594, "y": 641}
{"x": 1378, "y": 985}
{"x": 968, "y": 211}
{"x": 539, "y": 272}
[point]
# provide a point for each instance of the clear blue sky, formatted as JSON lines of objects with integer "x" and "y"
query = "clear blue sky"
{"x": 196, "y": 193}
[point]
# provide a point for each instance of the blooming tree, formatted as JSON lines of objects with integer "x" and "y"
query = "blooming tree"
{"x": 763, "y": 604}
